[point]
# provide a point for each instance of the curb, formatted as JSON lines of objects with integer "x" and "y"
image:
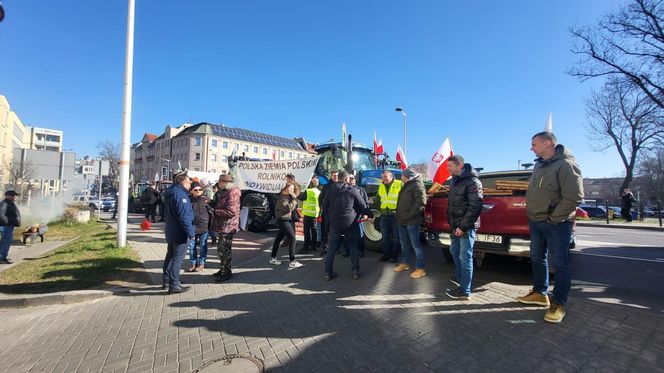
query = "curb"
{"x": 63, "y": 297}
{"x": 604, "y": 225}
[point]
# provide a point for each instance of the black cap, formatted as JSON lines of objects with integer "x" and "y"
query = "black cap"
{"x": 12, "y": 193}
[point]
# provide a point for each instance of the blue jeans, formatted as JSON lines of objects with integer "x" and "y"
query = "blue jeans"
{"x": 351, "y": 238}
{"x": 201, "y": 241}
{"x": 6, "y": 241}
{"x": 410, "y": 237}
{"x": 174, "y": 255}
{"x": 390, "y": 231}
{"x": 461, "y": 249}
{"x": 552, "y": 241}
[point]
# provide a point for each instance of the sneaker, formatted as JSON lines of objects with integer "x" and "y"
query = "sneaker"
{"x": 454, "y": 280}
{"x": 6, "y": 261}
{"x": 555, "y": 313}
{"x": 199, "y": 268}
{"x": 295, "y": 264}
{"x": 534, "y": 298}
{"x": 330, "y": 276}
{"x": 192, "y": 268}
{"x": 356, "y": 276}
{"x": 274, "y": 261}
{"x": 457, "y": 294}
{"x": 217, "y": 274}
{"x": 420, "y": 272}
{"x": 401, "y": 267}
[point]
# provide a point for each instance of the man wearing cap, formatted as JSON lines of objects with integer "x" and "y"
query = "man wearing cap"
{"x": 410, "y": 215}
{"x": 225, "y": 221}
{"x": 554, "y": 192}
{"x": 179, "y": 230}
{"x": 10, "y": 218}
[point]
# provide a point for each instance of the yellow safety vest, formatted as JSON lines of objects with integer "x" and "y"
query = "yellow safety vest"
{"x": 310, "y": 207}
{"x": 389, "y": 201}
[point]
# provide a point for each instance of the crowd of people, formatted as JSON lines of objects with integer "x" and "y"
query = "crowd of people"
{"x": 332, "y": 216}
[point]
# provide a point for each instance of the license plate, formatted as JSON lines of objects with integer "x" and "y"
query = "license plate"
{"x": 489, "y": 238}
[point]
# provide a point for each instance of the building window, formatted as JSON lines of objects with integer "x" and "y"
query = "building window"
{"x": 264, "y": 151}
{"x": 213, "y": 157}
{"x": 197, "y": 168}
{"x": 213, "y": 170}
{"x": 256, "y": 149}
{"x": 298, "y": 155}
{"x": 197, "y": 141}
{"x": 282, "y": 153}
{"x": 237, "y": 147}
{"x": 290, "y": 155}
{"x": 224, "y": 158}
{"x": 224, "y": 144}
{"x": 53, "y": 138}
{"x": 214, "y": 143}
{"x": 197, "y": 156}
{"x": 245, "y": 149}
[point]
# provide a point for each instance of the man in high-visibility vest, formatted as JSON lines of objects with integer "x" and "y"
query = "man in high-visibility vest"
{"x": 386, "y": 202}
{"x": 311, "y": 210}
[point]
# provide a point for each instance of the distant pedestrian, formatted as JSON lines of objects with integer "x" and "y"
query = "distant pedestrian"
{"x": 10, "y": 218}
{"x": 179, "y": 230}
{"x": 285, "y": 205}
{"x": 225, "y": 223}
{"x": 149, "y": 199}
{"x": 290, "y": 179}
{"x": 464, "y": 205}
{"x": 201, "y": 222}
{"x": 554, "y": 192}
{"x": 410, "y": 215}
{"x": 311, "y": 212}
{"x": 627, "y": 202}
{"x": 344, "y": 204}
{"x": 115, "y": 204}
{"x": 386, "y": 202}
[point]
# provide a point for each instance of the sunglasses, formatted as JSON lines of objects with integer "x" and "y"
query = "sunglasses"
{"x": 197, "y": 190}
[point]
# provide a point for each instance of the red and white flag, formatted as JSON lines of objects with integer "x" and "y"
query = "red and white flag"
{"x": 378, "y": 146}
{"x": 437, "y": 168}
{"x": 401, "y": 158}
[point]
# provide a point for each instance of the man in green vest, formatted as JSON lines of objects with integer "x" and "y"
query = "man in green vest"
{"x": 386, "y": 202}
{"x": 311, "y": 211}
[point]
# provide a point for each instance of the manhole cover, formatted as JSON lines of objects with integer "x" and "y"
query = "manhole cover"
{"x": 232, "y": 363}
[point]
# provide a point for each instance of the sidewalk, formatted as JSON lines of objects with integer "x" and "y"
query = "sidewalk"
{"x": 648, "y": 224}
{"x": 294, "y": 321}
{"x": 18, "y": 253}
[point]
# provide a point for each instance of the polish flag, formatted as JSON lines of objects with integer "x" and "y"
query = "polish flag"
{"x": 437, "y": 168}
{"x": 274, "y": 155}
{"x": 401, "y": 158}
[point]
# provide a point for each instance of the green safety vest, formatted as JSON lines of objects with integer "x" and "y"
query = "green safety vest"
{"x": 310, "y": 207}
{"x": 389, "y": 201}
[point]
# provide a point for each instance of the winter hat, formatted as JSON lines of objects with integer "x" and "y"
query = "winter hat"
{"x": 409, "y": 173}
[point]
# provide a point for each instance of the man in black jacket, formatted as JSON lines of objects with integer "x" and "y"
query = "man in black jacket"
{"x": 464, "y": 205}
{"x": 149, "y": 198}
{"x": 10, "y": 218}
{"x": 343, "y": 205}
{"x": 202, "y": 209}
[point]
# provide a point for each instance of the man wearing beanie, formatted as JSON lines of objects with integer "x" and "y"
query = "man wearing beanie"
{"x": 410, "y": 215}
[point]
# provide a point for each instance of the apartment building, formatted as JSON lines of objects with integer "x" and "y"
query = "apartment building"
{"x": 206, "y": 147}
{"x": 44, "y": 139}
{"x": 12, "y": 135}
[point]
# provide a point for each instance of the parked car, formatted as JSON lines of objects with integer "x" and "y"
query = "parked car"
{"x": 106, "y": 204}
{"x": 594, "y": 212}
{"x": 581, "y": 213}
{"x": 616, "y": 212}
{"x": 651, "y": 212}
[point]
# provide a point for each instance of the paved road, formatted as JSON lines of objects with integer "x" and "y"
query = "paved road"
{"x": 296, "y": 322}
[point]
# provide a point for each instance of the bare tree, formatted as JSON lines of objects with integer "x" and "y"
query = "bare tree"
{"x": 651, "y": 168}
{"x": 628, "y": 46}
{"x": 421, "y": 168}
{"x": 20, "y": 175}
{"x": 110, "y": 152}
{"x": 623, "y": 117}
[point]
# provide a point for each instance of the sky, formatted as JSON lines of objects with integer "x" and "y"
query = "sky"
{"x": 483, "y": 73}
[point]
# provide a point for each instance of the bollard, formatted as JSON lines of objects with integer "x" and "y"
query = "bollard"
{"x": 606, "y": 207}
{"x": 659, "y": 211}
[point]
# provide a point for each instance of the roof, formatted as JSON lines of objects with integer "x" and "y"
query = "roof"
{"x": 149, "y": 137}
{"x": 243, "y": 135}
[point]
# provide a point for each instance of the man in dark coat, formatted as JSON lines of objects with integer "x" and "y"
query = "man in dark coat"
{"x": 627, "y": 201}
{"x": 343, "y": 204}
{"x": 334, "y": 177}
{"x": 464, "y": 205}
{"x": 179, "y": 230}
{"x": 226, "y": 222}
{"x": 149, "y": 199}
{"x": 10, "y": 218}
{"x": 409, "y": 216}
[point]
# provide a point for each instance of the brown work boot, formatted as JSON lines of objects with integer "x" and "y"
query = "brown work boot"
{"x": 401, "y": 267}
{"x": 199, "y": 268}
{"x": 534, "y": 298}
{"x": 555, "y": 313}
{"x": 192, "y": 268}
{"x": 420, "y": 272}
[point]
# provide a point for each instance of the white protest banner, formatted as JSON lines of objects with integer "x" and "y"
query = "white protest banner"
{"x": 270, "y": 176}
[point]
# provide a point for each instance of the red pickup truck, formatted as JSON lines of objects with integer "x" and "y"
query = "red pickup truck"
{"x": 503, "y": 221}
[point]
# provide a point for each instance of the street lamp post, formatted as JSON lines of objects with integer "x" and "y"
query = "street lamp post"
{"x": 403, "y": 112}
